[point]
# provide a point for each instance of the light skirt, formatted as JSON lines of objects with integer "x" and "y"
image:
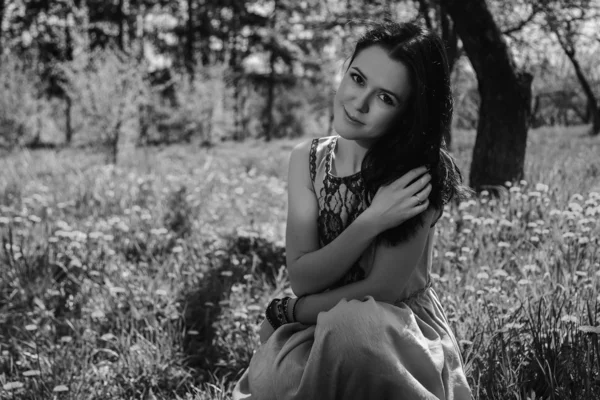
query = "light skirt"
{"x": 361, "y": 349}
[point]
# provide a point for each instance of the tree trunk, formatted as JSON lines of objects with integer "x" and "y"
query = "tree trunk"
{"x": 587, "y": 89}
{"x": 1, "y": 19}
{"x": 499, "y": 152}
{"x": 189, "y": 42}
{"x": 121, "y": 22}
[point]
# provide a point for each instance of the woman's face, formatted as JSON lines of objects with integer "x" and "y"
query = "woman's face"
{"x": 372, "y": 95}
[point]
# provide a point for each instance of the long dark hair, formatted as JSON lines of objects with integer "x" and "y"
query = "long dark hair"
{"x": 417, "y": 138}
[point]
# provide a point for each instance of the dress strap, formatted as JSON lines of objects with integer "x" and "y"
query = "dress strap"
{"x": 313, "y": 159}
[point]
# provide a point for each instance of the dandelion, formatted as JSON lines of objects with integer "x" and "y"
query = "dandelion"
{"x": 483, "y": 276}
{"x": 583, "y": 240}
{"x": 589, "y": 329}
{"x": 569, "y": 318}
{"x": 568, "y": 235}
{"x": 500, "y": 273}
{"x": 577, "y": 197}
{"x": 13, "y": 385}
{"x": 530, "y": 268}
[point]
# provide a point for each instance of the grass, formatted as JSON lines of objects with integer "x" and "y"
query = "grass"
{"x": 148, "y": 279}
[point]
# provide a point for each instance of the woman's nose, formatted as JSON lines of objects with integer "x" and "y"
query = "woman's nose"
{"x": 361, "y": 102}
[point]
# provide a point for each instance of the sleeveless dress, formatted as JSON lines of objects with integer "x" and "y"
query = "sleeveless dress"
{"x": 360, "y": 349}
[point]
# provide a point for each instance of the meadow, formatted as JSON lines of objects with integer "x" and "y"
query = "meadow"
{"x": 148, "y": 279}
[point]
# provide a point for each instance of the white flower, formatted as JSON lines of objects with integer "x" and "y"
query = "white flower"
{"x": 583, "y": 240}
{"x": 534, "y": 194}
{"x": 540, "y": 187}
{"x": 568, "y": 235}
{"x": 575, "y": 207}
{"x": 577, "y": 197}
{"x": 534, "y": 239}
{"x": 449, "y": 254}
{"x": 523, "y": 182}
{"x": 503, "y": 244}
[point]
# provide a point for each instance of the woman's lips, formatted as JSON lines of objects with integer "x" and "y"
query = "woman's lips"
{"x": 351, "y": 119}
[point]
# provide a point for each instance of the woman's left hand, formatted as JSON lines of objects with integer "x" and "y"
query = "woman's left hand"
{"x": 265, "y": 331}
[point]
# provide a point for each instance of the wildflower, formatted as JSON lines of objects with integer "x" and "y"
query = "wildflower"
{"x": 568, "y": 235}
{"x": 534, "y": 194}
{"x": 534, "y": 239}
{"x": 540, "y": 187}
{"x": 465, "y": 249}
{"x": 449, "y": 254}
{"x": 35, "y": 219}
{"x": 577, "y": 197}
{"x": 569, "y": 318}
{"x": 532, "y": 225}
{"x": 594, "y": 195}
{"x": 515, "y": 189}
{"x": 506, "y": 223}
{"x": 583, "y": 240}
{"x": 589, "y": 329}
{"x": 488, "y": 221}
{"x": 467, "y": 231}
{"x": 503, "y": 245}
{"x": 500, "y": 273}
{"x": 177, "y": 249}
{"x": 554, "y": 212}
{"x": 468, "y": 217}
{"x": 484, "y": 193}
{"x": 32, "y": 372}
{"x": 523, "y": 182}
{"x": 483, "y": 275}
{"x": 530, "y": 268}
{"x": 545, "y": 231}
{"x": 60, "y": 388}
{"x": 462, "y": 259}
{"x": 575, "y": 207}
{"x": 508, "y": 184}
{"x": 523, "y": 282}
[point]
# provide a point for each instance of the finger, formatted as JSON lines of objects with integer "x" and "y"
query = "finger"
{"x": 410, "y": 176}
{"x": 420, "y": 196}
{"x": 418, "y": 185}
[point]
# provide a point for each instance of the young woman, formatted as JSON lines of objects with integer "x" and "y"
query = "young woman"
{"x": 360, "y": 232}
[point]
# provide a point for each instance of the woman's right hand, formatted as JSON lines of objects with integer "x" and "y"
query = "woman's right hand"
{"x": 398, "y": 202}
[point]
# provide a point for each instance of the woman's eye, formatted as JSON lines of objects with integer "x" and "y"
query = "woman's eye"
{"x": 357, "y": 78}
{"x": 387, "y": 99}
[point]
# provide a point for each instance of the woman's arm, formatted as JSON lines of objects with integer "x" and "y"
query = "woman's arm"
{"x": 312, "y": 269}
{"x": 392, "y": 268}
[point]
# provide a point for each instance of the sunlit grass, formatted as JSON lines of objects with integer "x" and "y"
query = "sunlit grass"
{"x": 148, "y": 279}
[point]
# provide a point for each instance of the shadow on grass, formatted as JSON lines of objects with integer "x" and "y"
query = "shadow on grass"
{"x": 243, "y": 254}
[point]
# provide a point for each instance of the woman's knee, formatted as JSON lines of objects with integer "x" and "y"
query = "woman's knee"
{"x": 351, "y": 322}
